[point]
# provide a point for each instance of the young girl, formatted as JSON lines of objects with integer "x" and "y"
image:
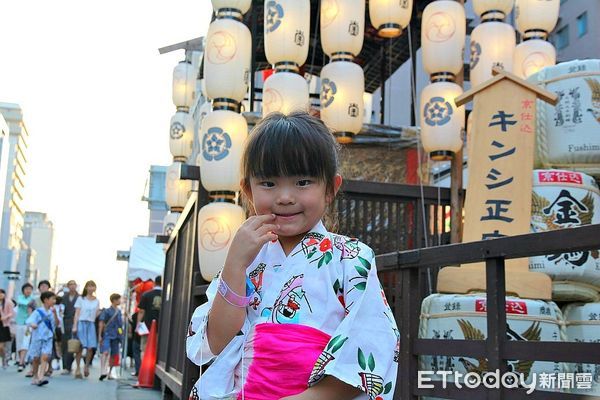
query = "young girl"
{"x": 87, "y": 308}
{"x": 7, "y": 314}
{"x": 297, "y": 312}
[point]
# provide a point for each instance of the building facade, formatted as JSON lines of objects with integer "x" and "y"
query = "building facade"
{"x": 576, "y": 34}
{"x": 156, "y": 198}
{"x": 38, "y": 234}
{"x": 14, "y": 151}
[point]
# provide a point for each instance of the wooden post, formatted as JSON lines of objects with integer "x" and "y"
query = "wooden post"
{"x": 498, "y": 199}
{"x": 456, "y": 181}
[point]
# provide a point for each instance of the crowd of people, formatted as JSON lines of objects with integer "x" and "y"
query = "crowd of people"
{"x": 44, "y": 331}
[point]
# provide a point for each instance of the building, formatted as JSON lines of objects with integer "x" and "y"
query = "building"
{"x": 38, "y": 234}
{"x": 576, "y": 35}
{"x": 156, "y": 198}
{"x": 12, "y": 182}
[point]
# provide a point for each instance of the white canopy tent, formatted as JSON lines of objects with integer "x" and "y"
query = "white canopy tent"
{"x": 146, "y": 259}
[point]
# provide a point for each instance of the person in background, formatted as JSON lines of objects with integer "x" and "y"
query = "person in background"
{"x": 150, "y": 308}
{"x": 87, "y": 309}
{"x": 7, "y": 314}
{"x": 134, "y": 345}
{"x": 22, "y": 344}
{"x": 57, "y": 353}
{"x": 110, "y": 334}
{"x": 68, "y": 303}
{"x": 43, "y": 286}
{"x": 43, "y": 322}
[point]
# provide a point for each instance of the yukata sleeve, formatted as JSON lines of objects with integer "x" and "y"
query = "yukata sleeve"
{"x": 34, "y": 318}
{"x": 363, "y": 350}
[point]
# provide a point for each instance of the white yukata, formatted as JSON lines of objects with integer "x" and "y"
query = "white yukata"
{"x": 327, "y": 295}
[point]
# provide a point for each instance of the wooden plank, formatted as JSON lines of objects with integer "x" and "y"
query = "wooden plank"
{"x": 573, "y": 352}
{"x": 455, "y": 348}
{"x": 394, "y": 190}
{"x": 170, "y": 380}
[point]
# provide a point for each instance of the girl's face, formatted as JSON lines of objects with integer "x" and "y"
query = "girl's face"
{"x": 298, "y": 202}
{"x": 90, "y": 289}
{"x": 2, "y": 296}
{"x": 27, "y": 291}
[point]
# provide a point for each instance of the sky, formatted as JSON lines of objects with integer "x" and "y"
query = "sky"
{"x": 96, "y": 98}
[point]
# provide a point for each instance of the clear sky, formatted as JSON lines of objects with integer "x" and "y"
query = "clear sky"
{"x": 96, "y": 97}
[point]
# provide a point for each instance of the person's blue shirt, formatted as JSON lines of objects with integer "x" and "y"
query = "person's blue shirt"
{"x": 45, "y": 324}
{"x": 111, "y": 330}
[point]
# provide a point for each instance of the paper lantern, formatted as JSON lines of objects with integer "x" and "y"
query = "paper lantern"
{"x": 287, "y": 31}
{"x": 486, "y": 6}
{"x": 184, "y": 85}
{"x": 492, "y": 45}
{"x": 222, "y": 134}
{"x": 227, "y": 59}
{"x": 442, "y": 122}
{"x": 285, "y": 92}
{"x": 389, "y": 17}
{"x": 178, "y": 190}
{"x": 342, "y": 26}
{"x": 181, "y": 135}
{"x": 217, "y": 224}
{"x": 241, "y": 5}
{"x": 169, "y": 223}
{"x": 342, "y": 88}
{"x": 533, "y": 55}
{"x": 536, "y": 15}
{"x": 443, "y": 36}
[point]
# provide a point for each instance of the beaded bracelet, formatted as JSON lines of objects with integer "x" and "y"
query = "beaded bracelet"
{"x": 232, "y": 297}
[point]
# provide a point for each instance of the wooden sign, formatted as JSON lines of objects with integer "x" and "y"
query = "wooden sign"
{"x": 498, "y": 199}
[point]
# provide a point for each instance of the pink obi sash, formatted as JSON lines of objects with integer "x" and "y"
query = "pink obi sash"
{"x": 282, "y": 360}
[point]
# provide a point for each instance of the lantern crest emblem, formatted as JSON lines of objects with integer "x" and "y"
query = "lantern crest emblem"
{"x": 437, "y": 111}
{"x": 475, "y": 54}
{"x": 177, "y": 130}
{"x": 215, "y": 144}
{"x": 353, "y": 28}
{"x": 328, "y": 91}
{"x": 274, "y": 15}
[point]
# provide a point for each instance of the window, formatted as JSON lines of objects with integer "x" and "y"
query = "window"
{"x": 582, "y": 24}
{"x": 562, "y": 37}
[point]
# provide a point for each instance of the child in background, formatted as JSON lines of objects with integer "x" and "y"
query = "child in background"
{"x": 297, "y": 312}
{"x": 110, "y": 333}
{"x": 43, "y": 322}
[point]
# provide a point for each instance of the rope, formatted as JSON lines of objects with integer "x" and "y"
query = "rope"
{"x": 536, "y": 318}
{"x": 413, "y": 94}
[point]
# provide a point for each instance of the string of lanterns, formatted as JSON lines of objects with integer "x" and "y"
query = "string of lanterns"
{"x": 442, "y": 39}
{"x": 223, "y": 132}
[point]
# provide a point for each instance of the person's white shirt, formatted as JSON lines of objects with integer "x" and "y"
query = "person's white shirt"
{"x": 89, "y": 308}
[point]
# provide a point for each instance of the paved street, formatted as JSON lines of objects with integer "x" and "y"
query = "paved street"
{"x": 14, "y": 385}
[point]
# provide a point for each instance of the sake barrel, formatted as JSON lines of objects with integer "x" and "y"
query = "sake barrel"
{"x": 583, "y": 325}
{"x": 450, "y": 316}
{"x": 568, "y": 134}
{"x": 566, "y": 199}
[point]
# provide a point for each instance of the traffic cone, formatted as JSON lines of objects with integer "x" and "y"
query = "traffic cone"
{"x": 146, "y": 376}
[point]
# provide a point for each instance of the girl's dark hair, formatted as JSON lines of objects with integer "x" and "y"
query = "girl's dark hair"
{"x": 4, "y": 300}
{"x": 291, "y": 145}
{"x": 46, "y": 295}
{"x": 25, "y": 286}
{"x": 90, "y": 283}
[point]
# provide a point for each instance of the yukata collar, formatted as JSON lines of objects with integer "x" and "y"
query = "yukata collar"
{"x": 311, "y": 238}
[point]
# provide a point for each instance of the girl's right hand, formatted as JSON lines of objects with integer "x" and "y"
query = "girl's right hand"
{"x": 249, "y": 239}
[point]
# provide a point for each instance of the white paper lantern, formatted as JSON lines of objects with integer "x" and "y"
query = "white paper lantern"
{"x": 184, "y": 85}
{"x": 287, "y": 31}
{"x": 241, "y": 5}
{"x": 169, "y": 222}
{"x": 217, "y": 225}
{"x": 533, "y": 55}
{"x": 443, "y": 36}
{"x": 342, "y": 88}
{"x": 181, "y": 135}
{"x": 227, "y": 59}
{"x": 483, "y": 6}
{"x": 285, "y": 92}
{"x": 222, "y": 134}
{"x": 389, "y": 17}
{"x": 178, "y": 190}
{"x": 492, "y": 45}
{"x": 536, "y": 15}
{"x": 442, "y": 122}
{"x": 342, "y": 26}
